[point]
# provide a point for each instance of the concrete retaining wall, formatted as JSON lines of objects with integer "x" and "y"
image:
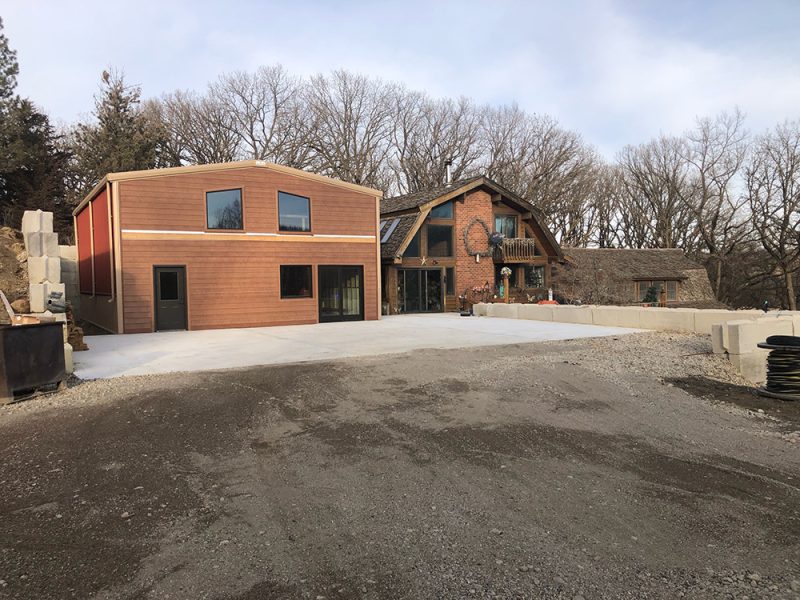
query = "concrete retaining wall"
{"x": 734, "y": 333}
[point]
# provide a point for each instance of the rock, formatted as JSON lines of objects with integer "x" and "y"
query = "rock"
{"x": 125, "y": 515}
{"x": 21, "y": 306}
{"x": 496, "y": 532}
{"x": 795, "y": 585}
{"x": 559, "y": 581}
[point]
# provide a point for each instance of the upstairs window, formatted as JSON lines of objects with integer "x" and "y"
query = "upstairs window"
{"x": 412, "y": 249}
{"x": 294, "y": 212}
{"x": 224, "y": 209}
{"x": 443, "y": 211}
{"x": 506, "y": 224}
{"x": 440, "y": 240}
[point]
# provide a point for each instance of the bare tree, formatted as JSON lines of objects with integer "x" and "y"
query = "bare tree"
{"x": 352, "y": 122}
{"x": 265, "y": 112}
{"x": 201, "y": 130}
{"x": 773, "y": 192}
{"x": 656, "y": 181}
{"x": 715, "y": 151}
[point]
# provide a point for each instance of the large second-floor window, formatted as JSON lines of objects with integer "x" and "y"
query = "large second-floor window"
{"x": 294, "y": 212}
{"x": 440, "y": 240}
{"x": 224, "y": 209}
{"x": 506, "y": 224}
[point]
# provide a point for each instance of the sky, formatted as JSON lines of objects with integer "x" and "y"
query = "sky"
{"x": 617, "y": 72}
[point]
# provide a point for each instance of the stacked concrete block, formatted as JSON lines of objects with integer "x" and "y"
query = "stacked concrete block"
{"x": 69, "y": 274}
{"x": 506, "y": 311}
{"x": 480, "y": 309}
{"x": 535, "y": 312}
{"x": 743, "y": 339}
{"x": 667, "y": 319}
{"x": 617, "y": 316}
{"x": 719, "y": 338}
{"x": 573, "y": 314}
{"x": 44, "y": 258}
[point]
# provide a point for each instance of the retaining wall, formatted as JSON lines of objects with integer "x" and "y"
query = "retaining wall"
{"x": 734, "y": 333}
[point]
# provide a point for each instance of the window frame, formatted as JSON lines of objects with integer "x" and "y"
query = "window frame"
{"x": 452, "y": 240}
{"x": 241, "y": 200}
{"x": 525, "y": 276}
{"x": 504, "y": 216}
{"x": 310, "y": 294}
{"x": 449, "y": 203}
{"x": 278, "y": 214}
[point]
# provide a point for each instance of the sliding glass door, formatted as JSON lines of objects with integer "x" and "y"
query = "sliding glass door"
{"x": 341, "y": 293}
{"x": 420, "y": 290}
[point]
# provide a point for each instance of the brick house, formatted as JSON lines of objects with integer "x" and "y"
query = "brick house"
{"x": 439, "y": 243}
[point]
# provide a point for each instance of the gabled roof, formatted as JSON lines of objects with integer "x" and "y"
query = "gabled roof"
{"x": 423, "y": 200}
{"x": 421, "y": 197}
{"x": 632, "y": 263}
{"x": 242, "y": 164}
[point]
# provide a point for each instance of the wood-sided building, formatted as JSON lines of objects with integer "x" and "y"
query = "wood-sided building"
{"x": 241, "y": 244}
{"x": 436, "y": 245}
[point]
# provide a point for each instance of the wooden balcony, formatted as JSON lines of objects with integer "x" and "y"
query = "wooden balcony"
{"x": 513, "y": 250}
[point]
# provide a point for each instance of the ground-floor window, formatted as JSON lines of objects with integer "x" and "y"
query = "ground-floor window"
{"x": 450, "y": 277}
{"x": 534, "y": 276}
{"x": 296, "y": 281}
{"x": 643, "y": 290}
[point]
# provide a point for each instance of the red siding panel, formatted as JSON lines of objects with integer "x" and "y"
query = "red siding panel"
{"x": 102, "y": 244}
{"x": 84, "y": 231}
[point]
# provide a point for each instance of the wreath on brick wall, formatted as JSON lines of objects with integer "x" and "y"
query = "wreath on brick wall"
{"x": 468, "y": 228}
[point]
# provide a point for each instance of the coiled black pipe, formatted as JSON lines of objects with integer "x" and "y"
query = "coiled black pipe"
{"x": 783, "y": 367}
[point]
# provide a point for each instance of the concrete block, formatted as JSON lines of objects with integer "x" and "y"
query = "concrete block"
{"x": 718, "y": 338}
{"x": 37, "y": 220}
{"x": 535, "y": 312}
{"x": 743, "y": 336}
{"x": 752, "y": 366}
{"x": 68, "y": 362}
{"x": 39, "y": 243}
{"x": 68, "y": 252}
{"x": 704, "y": 319}
{"x": 480, "y": 309}
{"x": 39, "y": 294}
{"x": 44, "y": 268}
{"x": 617, "y": 316}
{"x": 573, "y": 314}
{"x": 506, "y": 311}
{"x": 667, "y": 319}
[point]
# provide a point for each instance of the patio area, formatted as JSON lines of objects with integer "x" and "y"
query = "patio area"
{"x": 175, "y": 351}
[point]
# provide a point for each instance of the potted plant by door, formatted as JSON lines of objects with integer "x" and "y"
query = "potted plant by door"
{"x": 505, "y": 272}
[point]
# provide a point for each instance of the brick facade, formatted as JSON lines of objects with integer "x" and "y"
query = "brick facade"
{"x": 468, "y": 272}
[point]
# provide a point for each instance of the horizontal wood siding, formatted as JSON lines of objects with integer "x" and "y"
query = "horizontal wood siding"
{"x": 237, "y": 283}
{"x": 177, "y": 202}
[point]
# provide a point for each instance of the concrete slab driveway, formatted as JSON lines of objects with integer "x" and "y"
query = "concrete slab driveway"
{"x": 166, "y": 352}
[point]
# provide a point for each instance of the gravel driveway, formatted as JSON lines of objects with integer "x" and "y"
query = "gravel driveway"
{"x": 635, "y": 467}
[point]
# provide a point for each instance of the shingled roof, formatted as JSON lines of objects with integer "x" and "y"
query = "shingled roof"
{"x": 393, "y": 231}
{"x": 633, "y": 264}
{"x": 415, "y": 199}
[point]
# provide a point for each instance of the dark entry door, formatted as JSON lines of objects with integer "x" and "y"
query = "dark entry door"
{"x": 420, "y": 290}
{"x": 170, "y": 301}
{"x": 341, "y": 293}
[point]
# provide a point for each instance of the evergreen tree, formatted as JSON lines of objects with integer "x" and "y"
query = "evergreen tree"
{"x": 122, "y": 136}
{"x": 9, "y": 68}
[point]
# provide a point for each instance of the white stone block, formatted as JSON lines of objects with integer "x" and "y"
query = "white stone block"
{"x": 506, "y": 311}
{"x": 37, "y": 221}
{"x": 40, "y": 293}
{"x": 704, "y": 319}
{"x": 39, "y": 243}
{"x": 744, "y": 336}
{"x": 68, "y": 252}
{"x": 752, "y": 366}
{"x": 44, "y": 268}
{"x": 535, "y": 312}
{"x": 573, "y": 314}
{"x": 617, "y": 316}
{"x": 718, "y": 338}
{"x": 68, "y": 362}
{"x": 667, "y": 319}
{"x": 480, "y": 309}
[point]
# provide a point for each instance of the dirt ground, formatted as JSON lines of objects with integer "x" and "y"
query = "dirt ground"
{"x": 634, "y": 467}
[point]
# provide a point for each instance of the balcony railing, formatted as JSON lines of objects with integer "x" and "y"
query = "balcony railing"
{"x": 516, "y": 250}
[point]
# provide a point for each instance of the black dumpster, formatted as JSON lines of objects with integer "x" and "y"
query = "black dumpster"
{"x": 31, "y": 358}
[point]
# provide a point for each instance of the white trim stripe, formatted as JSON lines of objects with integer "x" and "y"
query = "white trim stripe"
{"x": 250, "y": 233}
